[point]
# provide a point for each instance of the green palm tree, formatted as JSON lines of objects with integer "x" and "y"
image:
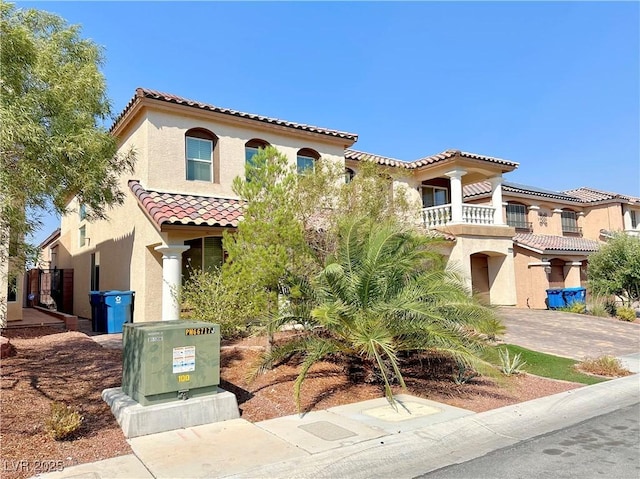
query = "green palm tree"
{"x": 385, "y": 291}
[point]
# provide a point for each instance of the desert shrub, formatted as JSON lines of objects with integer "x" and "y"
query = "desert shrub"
{"x": 597, "y": 308}
{"x": 575, "y": 307}
{"x": 464, "y": 373}
{"x": 610, "y": 307}
{"x": 63, "y": 422}
{"x": 608, "y": 366}
{"x": 492, "y": 327}
{"x": 624, "y": 313}
{"x": 510, "y": 365}
{"x": 207, "y": 297}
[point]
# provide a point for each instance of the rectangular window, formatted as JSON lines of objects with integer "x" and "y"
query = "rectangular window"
{"x": 12, "y": 290}
{"x": 634, "y": 219}
{"x": 434, "y": 196}
{"x": 199, "y": 159}
{"x": 249, "y": 152}
{"x": 82, "y": 211}
{"x": 305, "y": 164}
{"x": 517, "y": 216}
{"x": 203, "y": 254}
{"x": 569, "y": 222}
{"x": 82, "y": 237}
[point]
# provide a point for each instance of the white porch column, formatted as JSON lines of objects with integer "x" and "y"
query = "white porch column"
{"x": 456, "y": 194}
{"x": 496, "y": 199}
{"x": 171, "y": 279}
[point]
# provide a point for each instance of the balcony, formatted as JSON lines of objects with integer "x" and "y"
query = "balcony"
{"x": 435, "y": 216}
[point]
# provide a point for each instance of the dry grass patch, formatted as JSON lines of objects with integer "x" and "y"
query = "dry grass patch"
{"x": 607, "y": 366}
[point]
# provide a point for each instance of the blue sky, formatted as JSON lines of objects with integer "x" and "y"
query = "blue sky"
{"x": 553, "y": 86}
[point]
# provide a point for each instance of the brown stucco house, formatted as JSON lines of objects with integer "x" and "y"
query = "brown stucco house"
{"x": 179, "y": 201}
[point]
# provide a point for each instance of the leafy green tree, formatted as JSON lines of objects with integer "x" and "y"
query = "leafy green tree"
{"x": 615, "y": 268}
{"x": 52, "y": 107}
{"x": 386, "y": 291}
{"x": 269, "y": 245}
{"x": 53, "y": 103}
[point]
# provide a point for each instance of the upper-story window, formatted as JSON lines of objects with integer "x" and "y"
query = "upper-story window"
{"x": 434, "y": 196}
{"x": 82, "y": 211}
{"x": 252, "y": 147}
{"x": 348, "y": 175}
{"x": 569, "y": 222}
{"x": 200, "y": 145}
{"x": 517, "y": 216}
{"x": 306, "y": 160}
{"x": 82, "y": 235}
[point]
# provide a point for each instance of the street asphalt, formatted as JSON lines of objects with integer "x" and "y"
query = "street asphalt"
{"x": 371, "y": 439}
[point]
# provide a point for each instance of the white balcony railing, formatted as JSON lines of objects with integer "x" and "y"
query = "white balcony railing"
{"x": 435, "y": 216}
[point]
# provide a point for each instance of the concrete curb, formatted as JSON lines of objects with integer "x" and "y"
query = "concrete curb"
{"x": 427, "y": 449}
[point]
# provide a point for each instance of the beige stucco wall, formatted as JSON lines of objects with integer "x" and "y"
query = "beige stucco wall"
{"x": 608, "y": 217}
{"x": 124, "y": 244}
{"x": 500, "y": 264}
{"x": 166, "y": 150}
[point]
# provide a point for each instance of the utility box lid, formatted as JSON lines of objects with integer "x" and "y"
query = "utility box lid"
{"x": 170, "y": 360}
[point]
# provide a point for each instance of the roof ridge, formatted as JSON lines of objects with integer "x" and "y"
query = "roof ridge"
{"x": 142, "y": 93}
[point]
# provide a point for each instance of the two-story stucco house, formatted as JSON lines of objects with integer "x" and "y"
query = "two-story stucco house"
{"x": 179, "y": 201}
{"x": 556, "y": 232}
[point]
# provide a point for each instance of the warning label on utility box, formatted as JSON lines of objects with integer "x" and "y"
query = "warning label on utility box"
{"x": 184, "y": 359}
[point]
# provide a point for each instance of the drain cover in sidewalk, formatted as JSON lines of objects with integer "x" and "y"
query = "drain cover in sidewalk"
{"x": 405, "y": 410}
{"x": 326, "y": 430}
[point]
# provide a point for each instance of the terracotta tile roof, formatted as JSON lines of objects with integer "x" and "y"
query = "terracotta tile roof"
{"x": 590, "y": 195}
{"x": 427, "y": 160}
{"x": 546, "y": 243}
{"x": 484, "y": 187}
{"x": 350, "y": 154}
{"x": 169, "y": 98}
{"x": 179, "y": 209}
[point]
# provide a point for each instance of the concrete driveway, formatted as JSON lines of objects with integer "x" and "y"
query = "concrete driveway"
{"x": 570, "y": 335}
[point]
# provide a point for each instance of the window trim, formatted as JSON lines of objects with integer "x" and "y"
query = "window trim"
{"x": 306, "y": 154}
{"x": 198, "y": 160}
{"x": 569, "y": 222}
{"x": 521, "y": 220}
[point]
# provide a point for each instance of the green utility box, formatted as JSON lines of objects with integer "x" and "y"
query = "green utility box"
{"x": 165, "y": 361}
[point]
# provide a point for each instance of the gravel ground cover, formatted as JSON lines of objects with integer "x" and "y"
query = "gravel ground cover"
{"x": 70, "y": 367}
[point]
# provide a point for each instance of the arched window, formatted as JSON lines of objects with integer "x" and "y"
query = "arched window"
{"x": 570, "y": 222}
{"x": 200, "y": 148}
{"x": 517, "y": 216}
{"x": 251, "y": 147}
{"x": 348, "y": 175}
{"x": 306, "y": 160}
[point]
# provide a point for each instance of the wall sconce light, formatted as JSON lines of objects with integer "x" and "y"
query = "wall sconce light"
{"x": 547, "y": 269}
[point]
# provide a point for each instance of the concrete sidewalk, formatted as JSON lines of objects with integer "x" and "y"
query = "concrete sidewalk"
{"x": 362, "y": 440}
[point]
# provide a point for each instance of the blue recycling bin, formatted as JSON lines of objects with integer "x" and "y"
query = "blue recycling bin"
{"x": 118, "y": 309}
{"x": 574, "y": 295}
{"x": 98, "y": 312}
{"x": 555, "y": 298}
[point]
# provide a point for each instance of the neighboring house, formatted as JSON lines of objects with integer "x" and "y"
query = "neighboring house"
{"x": 556, "y": 232}
{"x": 179, "y": 201}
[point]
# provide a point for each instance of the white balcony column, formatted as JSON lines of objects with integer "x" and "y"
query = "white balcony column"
{"x": 496, "y": 200}
{"x": 171, "y": 279}
{"x": 456, "y": 194}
